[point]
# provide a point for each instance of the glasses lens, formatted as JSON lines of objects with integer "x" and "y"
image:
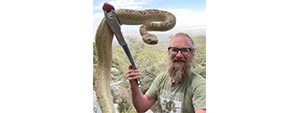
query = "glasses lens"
{"x": 174, "y": 50}
{"x": 185, "y": 51}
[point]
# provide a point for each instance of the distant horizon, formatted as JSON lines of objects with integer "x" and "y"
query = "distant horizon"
{"x": 164, "y": 36}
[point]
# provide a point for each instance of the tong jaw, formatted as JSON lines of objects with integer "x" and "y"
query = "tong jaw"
{"x": 114, "y": 25}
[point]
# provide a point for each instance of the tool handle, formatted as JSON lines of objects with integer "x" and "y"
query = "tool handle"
{"x": 126, "y": 49}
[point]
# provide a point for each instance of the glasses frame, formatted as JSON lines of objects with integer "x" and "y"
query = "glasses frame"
{"x": 180, "y": 49}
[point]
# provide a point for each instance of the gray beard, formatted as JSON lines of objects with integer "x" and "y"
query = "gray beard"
{"x": 179, "y": 72}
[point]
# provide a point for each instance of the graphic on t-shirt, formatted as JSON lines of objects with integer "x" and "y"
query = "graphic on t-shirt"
{"x": 171, "y": 103}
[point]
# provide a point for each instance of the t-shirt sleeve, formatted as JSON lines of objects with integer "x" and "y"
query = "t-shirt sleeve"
{"x": 199, "y": 95}
{"x": 153, "y": 90}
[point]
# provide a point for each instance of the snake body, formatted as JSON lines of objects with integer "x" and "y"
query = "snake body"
{"x": 151, "y": 20}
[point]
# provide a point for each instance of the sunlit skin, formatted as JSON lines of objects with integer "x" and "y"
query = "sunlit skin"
{"x": 142, "y": 102}
{"x": 181, "y": 41}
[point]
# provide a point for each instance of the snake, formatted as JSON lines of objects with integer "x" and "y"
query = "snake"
{"x": 149, "y": 19}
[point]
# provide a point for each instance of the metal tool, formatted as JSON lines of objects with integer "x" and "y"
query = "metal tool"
{"x": 116, "y": 29}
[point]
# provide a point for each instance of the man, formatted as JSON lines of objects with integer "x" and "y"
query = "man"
{"x": 177, "y": 91}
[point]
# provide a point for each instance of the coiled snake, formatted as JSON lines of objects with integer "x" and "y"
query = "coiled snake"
{"x": 151, "y": 20}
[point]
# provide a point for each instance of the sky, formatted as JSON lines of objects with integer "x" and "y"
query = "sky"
{"x": 190, "y": 14}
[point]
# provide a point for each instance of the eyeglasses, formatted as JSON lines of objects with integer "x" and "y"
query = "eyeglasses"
{"x": 184, "y": 51}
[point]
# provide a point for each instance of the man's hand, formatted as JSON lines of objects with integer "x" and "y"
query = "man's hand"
{"x": 141, "y": 102}
{"x": 133, "y": 74}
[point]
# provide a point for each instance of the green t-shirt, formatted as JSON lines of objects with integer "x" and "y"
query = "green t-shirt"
{"x": 185, "y": 97}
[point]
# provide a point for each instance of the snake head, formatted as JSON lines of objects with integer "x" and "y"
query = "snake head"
{"x": 150, "y": 39}
{"x": 108, "y": 7}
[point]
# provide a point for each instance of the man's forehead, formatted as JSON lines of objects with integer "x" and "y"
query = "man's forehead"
{"x": 181, "y": 40}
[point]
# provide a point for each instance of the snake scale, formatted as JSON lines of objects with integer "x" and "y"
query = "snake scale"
{"x": 150, "y": 20}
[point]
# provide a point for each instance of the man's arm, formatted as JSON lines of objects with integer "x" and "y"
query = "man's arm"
{"x": 199, "y": 94}
{"x": 200, "y": 111}
{"x": 141, "y": 102}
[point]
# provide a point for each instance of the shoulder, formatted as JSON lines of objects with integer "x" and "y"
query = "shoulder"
{"x": 159, "y": 80}
{"x": 161, "y": 77}
{"x": 197, "y": 78}
{"x": 197, "y": 81}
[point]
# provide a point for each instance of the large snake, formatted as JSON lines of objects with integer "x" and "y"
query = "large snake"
{"x": 151, "y": 20}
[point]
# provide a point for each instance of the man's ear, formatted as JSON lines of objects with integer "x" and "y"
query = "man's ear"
{"x": 193, "y": 52}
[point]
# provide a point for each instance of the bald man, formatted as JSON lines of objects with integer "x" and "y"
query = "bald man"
{"x": 179, "y": 90}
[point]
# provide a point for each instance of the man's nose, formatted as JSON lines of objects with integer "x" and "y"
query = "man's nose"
{"x": 179, "y": 54}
